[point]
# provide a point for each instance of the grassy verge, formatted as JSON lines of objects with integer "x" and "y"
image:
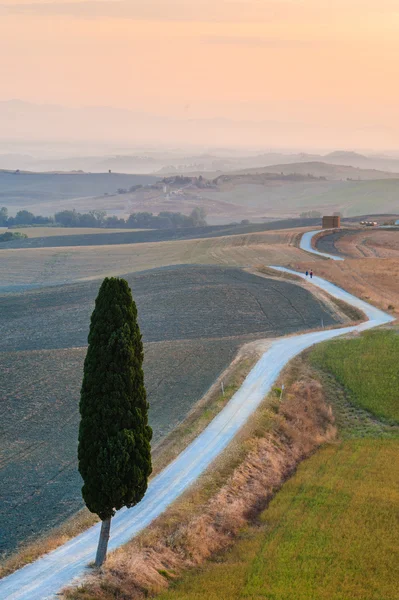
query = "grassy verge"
{"x": 210, "y": 515}
{"x": 331, "y": 532}
{"x": 277, "y": 274}
{"x": 353, "y": 313}
{"x": 367, "y": 366}
{"x": 204, "y": 411}
{"x": 198, "y": 418}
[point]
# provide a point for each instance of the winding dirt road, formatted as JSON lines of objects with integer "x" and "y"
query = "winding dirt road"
{"x": 45, "y": 577}
{"x": 306, "y": 244}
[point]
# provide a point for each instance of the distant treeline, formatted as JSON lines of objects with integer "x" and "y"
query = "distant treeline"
{"x": 98, "y": 218}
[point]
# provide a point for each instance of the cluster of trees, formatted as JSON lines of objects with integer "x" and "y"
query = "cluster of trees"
{"x": 94, "y": 218}
{"x": 140, "y": 220}
{"x": 98, "y": 218}
{"x": 23, "y": 217}
{"x": 9, "y": 236}
{"x": 167, "y": 220}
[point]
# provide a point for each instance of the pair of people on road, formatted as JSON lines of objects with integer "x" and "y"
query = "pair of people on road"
{"x": 309, "y": 273}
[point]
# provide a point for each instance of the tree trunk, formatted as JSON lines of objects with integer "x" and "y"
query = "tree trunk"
{"x": 103, "y": 542}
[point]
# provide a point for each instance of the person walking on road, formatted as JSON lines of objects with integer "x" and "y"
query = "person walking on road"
{"x": 311, "y": 274}
{"x": 307, "y": 273}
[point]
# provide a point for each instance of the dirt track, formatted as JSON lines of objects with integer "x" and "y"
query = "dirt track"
{"x": 46, "y": 576}
{"x": 191, "y": 316}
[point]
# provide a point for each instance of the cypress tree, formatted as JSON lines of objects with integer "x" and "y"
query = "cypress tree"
{"x": 114, "y": 436}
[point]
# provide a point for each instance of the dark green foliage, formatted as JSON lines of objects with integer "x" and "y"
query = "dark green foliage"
{"x": 9, "y": 236}
{"x": 114, "y": 437}
{"x": 98, "y": 218}
{"x": 3, "y": 216}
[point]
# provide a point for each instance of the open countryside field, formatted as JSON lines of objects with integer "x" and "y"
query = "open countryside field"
{"x": 28, "y": 268}
{"x": 40, "y": 483}
{"x": 375, "y": 353}
{"x": 174, "y": 303}
{"x": 363, "y": 197}
{"x": 87, "y": 237}
{"x": 372, "y": 278}
{"x": 362, "y": 243}
{"x": 193, "y": 319}
{"x": 285, "y": 198}
{"x": 42, "y": 232}
{"x": 331, "y": 532}
{"x": 255, "y": 195}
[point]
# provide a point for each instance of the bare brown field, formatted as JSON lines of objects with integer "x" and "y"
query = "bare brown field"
{"x": 40, "y": 484}
{"x": 37, "y": 267}
{"x": 370, "y": 269}
{"x": 36, "y": 232}
{"x": 162, "y": 453}
{"x": 370, "y": 244}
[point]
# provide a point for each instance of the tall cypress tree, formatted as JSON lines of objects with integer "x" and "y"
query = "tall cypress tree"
{"x": 114, "y": 436}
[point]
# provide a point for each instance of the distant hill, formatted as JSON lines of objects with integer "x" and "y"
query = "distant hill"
{"x": 25, "y": 189}
{"x": 373, "y": 167}
{"x": 340, "y": 154}
{"x": 322, "y": 169}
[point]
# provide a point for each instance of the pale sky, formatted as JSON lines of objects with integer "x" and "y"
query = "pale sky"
{"x": 332, "y": 65}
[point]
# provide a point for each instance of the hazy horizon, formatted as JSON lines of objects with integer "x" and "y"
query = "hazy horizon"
{"x": 262, "y": 74}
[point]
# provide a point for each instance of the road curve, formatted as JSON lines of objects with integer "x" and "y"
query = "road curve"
{"x": 306, "y": 244}
{"x": 45, "y": 577}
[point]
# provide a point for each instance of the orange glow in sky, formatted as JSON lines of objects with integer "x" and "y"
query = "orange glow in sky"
{"x": 330, "y": 65}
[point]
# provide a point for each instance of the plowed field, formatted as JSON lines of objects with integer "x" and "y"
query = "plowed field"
{"x": 193, "y": 320}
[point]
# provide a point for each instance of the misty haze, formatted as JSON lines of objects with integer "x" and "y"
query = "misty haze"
{"x": 199, "y": 299}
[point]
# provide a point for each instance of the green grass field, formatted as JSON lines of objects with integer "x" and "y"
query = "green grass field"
{"x": 367, "y": 367}
{"x": 331, "y": 532}
{"x": 328, "y": 535}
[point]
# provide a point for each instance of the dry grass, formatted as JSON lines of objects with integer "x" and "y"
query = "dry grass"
{"x": 272, "y": 273}
{"x": 329, "y": 534}
{"x": 373, "y": 271}
{"x": 44, "y": 266}
{"x": 210, "y": 515}
{"x": 368, "y": 243}
{"x": 375, "y": 280}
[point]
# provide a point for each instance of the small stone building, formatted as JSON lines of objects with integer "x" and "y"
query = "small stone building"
{"x": 331, "y": 222}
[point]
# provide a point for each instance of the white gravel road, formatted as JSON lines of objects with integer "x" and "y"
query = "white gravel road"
{"x": 48, "y": 575}
{"x": 306, "y": 244}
